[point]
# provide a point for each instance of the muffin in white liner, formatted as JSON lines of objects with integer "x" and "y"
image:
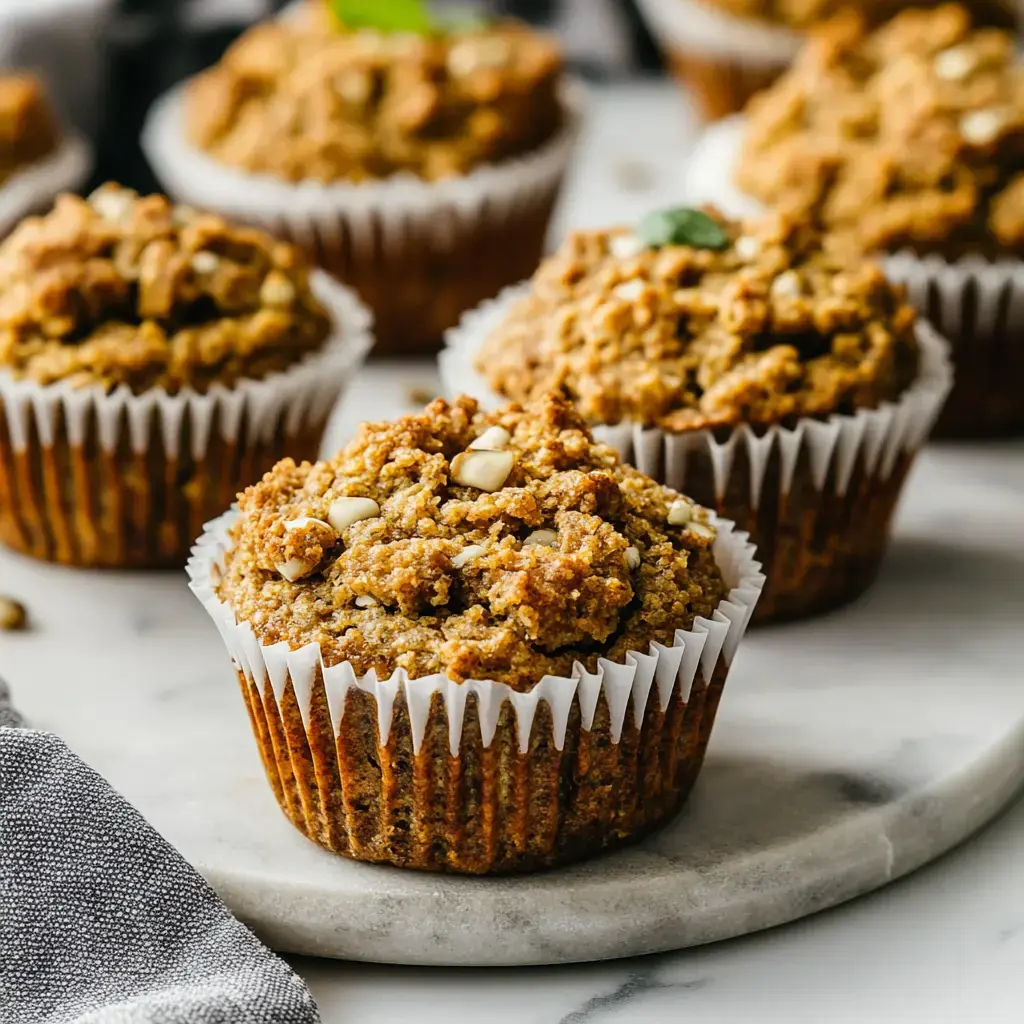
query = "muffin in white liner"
{"x": 109, "y": 474}
{"x": 720, "y": 58}
{"x": 419, "y": 252}
{"x": 817, "y": 496}
{"x": 32, "y": 188}
{"x": 474, "y": 775}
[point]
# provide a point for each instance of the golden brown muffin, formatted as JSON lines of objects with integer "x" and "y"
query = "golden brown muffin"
{"x": 762, "y": 328}
{"x": 123, "y": 289}
{"x": 908, "y": 136}
{"x": 28, "y": 129}
{"x": 301, "y": 99}
{"x": 494, "y": 559}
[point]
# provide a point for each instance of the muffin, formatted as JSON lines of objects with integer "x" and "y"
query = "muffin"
{"x": 726, "y": 51}
{"x": 477, "y": 643}
{"x": 773, "y": 379}
{"x": 908, "y": 142}
{"x": 153, "y": 362}
{"x": 34, "y": 163}
{"x": 420, "y": 168}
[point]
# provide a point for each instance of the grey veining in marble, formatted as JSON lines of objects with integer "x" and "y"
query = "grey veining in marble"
{"x": 849, "y": 750}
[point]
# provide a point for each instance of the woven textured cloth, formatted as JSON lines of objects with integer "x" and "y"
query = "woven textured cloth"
{"x": 103, "y": 922}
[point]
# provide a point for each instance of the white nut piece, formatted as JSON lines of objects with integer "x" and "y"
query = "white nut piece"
{"x": 493, "y": 439}
{"x": 544, "y": 538}
{"x": 112, "y": 204}
{"x": 982, "y": 126}
{"x": 294, "y": 569}
{"x": 630, "y": 290}
{"x": 701, "y": 530}
{"x": 205, "y": 262}
{"x": 365, "y": 601}
{"x": 467, "y": 555}
{"x": 787, "y": 283}
{"x": 298, "y": 524}
{"x": 680, "y": 512}
{"x": 486, "y": 471}
{"x": 625, "y": 247}
{"x": 955, "y": 64}
{"x": 277, "y": 290}
{"x": 632, "y": 558}
{"x": 747, "y": 247}
{"x": 346, "y": 511}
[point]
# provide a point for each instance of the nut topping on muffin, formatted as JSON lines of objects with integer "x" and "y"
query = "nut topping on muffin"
{"x": 573, "y": 557}
{"x": 763, "y": 328}
{"x": 120, "y": 290}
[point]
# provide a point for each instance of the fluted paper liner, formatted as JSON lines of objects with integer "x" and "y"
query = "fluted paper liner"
{"x": 811, "y": 480}
{"x": 419, "y": 252}
{"x": 94, "y": 478}
{"x": 34, "y": 187}
{"x": 636, "y": 694}
{"x": 974, "y": 302}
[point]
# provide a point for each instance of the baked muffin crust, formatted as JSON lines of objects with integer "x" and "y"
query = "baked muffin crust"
{"x": 301, "y": 99}
{"x": 124, "y": 289}
{"x": 504, "y": 547}
{"x": 909, "y": 136}
{"x": 28, "y": 129}
{"x": 766, "y": 329}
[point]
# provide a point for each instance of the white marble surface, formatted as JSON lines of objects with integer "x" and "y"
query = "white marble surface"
{"x": 127, "y": 669}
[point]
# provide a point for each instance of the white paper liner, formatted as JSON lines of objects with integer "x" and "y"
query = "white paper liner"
{"x": 880, "y": 435}
{"x": 997, "y": 285}
{"x": 403, "y": 204}
{"x": 663, "y": 668}
{"x": 34, "y": 187}
{"x": 304, "y": 394}
{"x": 694, "y": 27}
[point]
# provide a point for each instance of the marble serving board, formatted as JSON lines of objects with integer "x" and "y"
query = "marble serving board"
{"x": 849, "y": 750}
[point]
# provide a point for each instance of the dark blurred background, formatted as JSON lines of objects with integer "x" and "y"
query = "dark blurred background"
{"x": 151, "y": 44}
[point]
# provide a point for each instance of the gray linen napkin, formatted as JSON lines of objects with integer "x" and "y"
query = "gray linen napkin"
{"x": 102, "y": 921}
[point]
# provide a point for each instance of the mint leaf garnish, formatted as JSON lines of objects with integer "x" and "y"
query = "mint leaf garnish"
{"x": 384, "y": 15}
{"x": 682, "y": 226}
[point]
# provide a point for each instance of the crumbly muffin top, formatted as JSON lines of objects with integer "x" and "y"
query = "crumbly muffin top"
{"x": 909, "y": 136}
{"x": 300, "y": 99}
{"x": 28, "y": 129}
{"x": 122, "y": 289}
{"x": 503, "y": 547}
{"x": 763, "y": 329}
{"x": 802, "y": 14}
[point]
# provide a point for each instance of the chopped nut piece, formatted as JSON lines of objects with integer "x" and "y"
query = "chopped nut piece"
{"x": 277, "y": 290}
{"x": 546, "y": 538}
{"x": 625, "y": 247}
{"x": 346, "y": 511}
{"x": 747, "y": 247}
{"x": 12, "y": 614}
{"x": 981, "y": 127}
{"x": 630, "y": 290}
{"x": 204, "y": 262}
{"x": 680, "y": 512}
{"x": 298, "y": 524}
{"x": 112, "y": 203}
{"x": 787, "y": 283}
{"x": 956, "y": 63}
{"x": 294, "y": 569}
{"x": 493, "y": 439}
{"x": 365, "y": 601}
{"x": 701, "y": 530}
{"x": 486, "y": 471}
{"x": 467, "y": 554}
{"x": 632, "y": 558}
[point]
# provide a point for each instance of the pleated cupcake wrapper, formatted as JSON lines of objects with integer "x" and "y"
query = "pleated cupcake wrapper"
{"x": 661, "y": 671}
{"x": 248, "y": 412}
{"x": 689, "y": 26}
{"x": 376, "y": 213}
{"x": 34, "y": 188}
{"x": 879, "y": 435}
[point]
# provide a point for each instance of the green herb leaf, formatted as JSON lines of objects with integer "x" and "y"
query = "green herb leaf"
{"x": 682, "y": 226}
{"x": 385, "y": 15}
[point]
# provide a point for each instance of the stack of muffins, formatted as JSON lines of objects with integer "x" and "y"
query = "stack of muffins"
{"x": 493, "y": 636}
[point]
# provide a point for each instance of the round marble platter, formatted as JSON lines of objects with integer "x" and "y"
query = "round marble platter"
{"x": 848, "y": 751}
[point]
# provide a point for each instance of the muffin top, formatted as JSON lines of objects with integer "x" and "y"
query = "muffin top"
{"x": 124, "y": 289}
{"x": 28, "y": 129}
{"x": 910, "y": 136}
{"x": 502, "y": 547}
{"x": 755, "y": 324}
{"x": 803, "y": 14}
{"x": 302, "y": 99}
